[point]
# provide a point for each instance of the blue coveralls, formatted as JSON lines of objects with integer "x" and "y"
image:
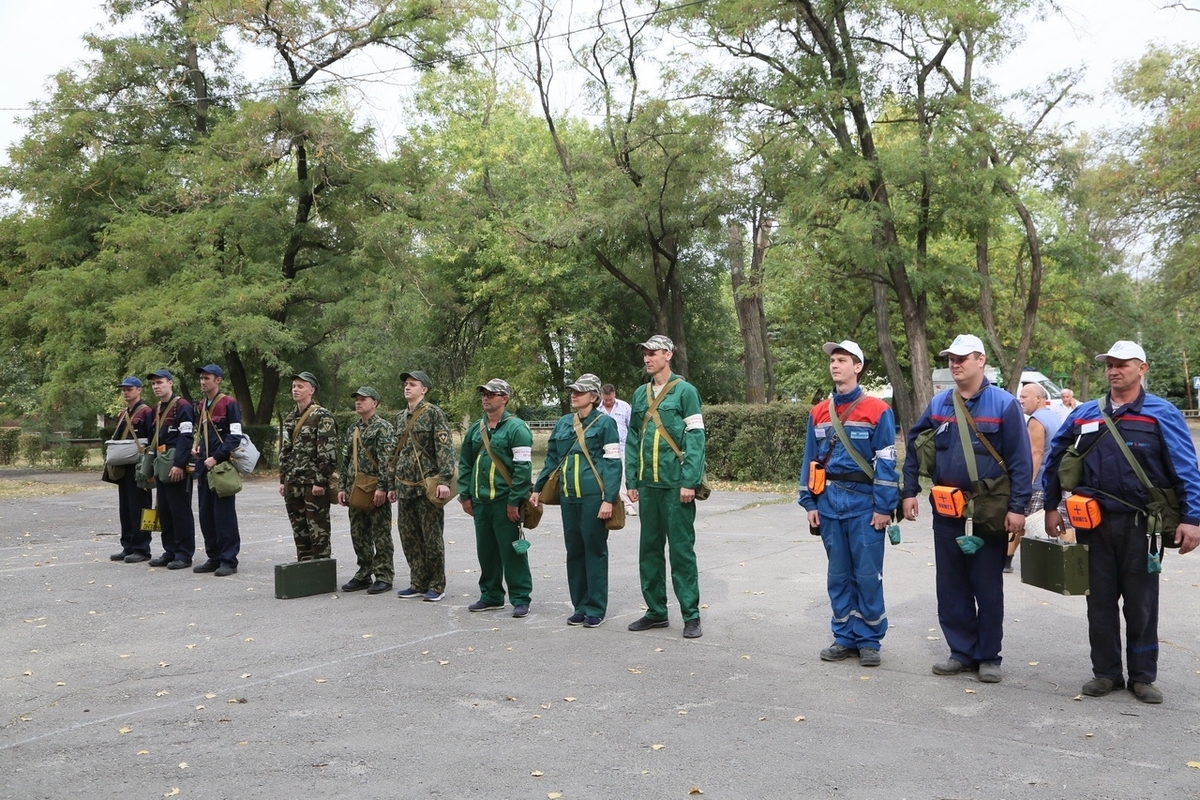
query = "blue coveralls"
{"x": 176, "y": 429}
{"x": 1158, "y": 437}
{"x": 854, "y": 547}
{"x": 970, "y": 588}
{"x": 218, "y": 515}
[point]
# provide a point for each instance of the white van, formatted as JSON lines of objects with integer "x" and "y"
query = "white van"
{"x": 943, "y": 380}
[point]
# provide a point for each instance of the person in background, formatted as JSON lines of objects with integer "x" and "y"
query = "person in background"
{"x": 620, "y": 411}
{"x": 1041, "y": 425}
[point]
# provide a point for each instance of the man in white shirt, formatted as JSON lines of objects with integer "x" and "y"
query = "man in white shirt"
{"x": 620, "y": 411}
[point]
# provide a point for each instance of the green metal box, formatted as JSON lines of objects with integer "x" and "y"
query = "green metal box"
{"x": 305, "y": 578}
{"x": 1054, "y": 565}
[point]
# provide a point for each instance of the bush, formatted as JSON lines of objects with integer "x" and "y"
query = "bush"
{"x": 30, "y": 448}
{"x": 755, "y": 442}
{"x": 9, "y": 442}
{"x": 71, "y": 457}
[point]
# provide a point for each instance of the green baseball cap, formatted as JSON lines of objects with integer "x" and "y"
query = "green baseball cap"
{"x": 309, "y": 378}
{"x": 367, "y": 391}
{"x": 417, "y": 375}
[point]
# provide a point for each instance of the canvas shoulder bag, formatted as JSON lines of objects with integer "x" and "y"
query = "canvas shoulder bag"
{"x": 362, "y": 493}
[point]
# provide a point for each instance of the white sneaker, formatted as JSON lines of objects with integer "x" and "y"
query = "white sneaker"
{"x": 630, "y": 510}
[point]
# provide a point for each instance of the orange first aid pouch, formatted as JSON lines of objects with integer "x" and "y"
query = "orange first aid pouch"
{"x": 816, "y": 477}
{"x": 1084, "y": 512}
{"x": 948, "y": 501}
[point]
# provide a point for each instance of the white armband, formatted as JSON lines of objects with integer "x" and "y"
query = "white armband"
{"x": 185, "y": 427}
{"x": 522, "y": 454}
{"x": 694, "y": 422}
{"x": 887, "y": 454}
{"x": 235, "y": 428}
{"x": 612, "y": 450}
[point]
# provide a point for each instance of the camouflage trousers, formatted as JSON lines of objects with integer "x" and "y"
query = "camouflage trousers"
{"x": 371, "y": 535}
{"x": 421, "y": 524}
{"x": 309, "y": 515}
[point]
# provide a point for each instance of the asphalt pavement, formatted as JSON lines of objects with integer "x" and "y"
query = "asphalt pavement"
{"x": 122, "y": 680}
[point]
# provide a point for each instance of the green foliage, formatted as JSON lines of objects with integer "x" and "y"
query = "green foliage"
{"x": 9, "y": 445}
{"x": 29, "y": 447}
{"x": 69, "y": 457}
{"x": 755, "y": 442}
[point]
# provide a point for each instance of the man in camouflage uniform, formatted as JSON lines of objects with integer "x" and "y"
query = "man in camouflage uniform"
{"x": 494, "y": 502}
{"x": 370, "y": 530}
{"x": 307, "y": 460}
{"x": 423, "y": 449}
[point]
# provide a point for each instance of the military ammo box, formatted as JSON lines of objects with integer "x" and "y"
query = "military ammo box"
{"x": 305, "y": 578}
{"x": 1054, "y": 565}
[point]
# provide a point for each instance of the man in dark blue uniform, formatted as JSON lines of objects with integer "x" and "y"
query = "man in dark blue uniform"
{"x": 220, "y": 421}
{"x": 173, "y": 428}
{"x": 1123, "y": 571}
{"x": 134, "y": 423}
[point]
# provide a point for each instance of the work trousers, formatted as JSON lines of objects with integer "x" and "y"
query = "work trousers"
{"x": 218, "y": 523}
{"x": 421, "y": 523}
{"x": 586, "y": 539}
{"x": 970, "y": 593}
{"x": 309, "y": 515}
{"x": 668, "y": 524}
{"x": 175, "y": 518}
{"x": 371, "y": 535}
{"x": 855, "y": 580}
{"x": 131, "y": 501}
{"x": 499, "y": 563}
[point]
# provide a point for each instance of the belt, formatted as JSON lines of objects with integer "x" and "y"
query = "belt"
{"x": 848, "y": 477}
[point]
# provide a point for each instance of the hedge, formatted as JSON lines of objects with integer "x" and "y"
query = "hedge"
{"x": 9, "y": 441}
{"x": 755, "y": 442}
{"x": 29, "y": 445}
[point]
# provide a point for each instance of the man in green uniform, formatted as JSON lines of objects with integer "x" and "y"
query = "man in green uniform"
{"x": 424, "y": 450}
{"x": 307, "y": 461}
{"x": 493, "y": 481}
{"x": 369, "y": 443}
{"x": 664, "y": 464}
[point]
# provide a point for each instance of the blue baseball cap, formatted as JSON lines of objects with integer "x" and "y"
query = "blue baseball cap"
{"x": 161, "y": 373}
{"x": 211, "y": 369}
{"x": 130, "y": 381}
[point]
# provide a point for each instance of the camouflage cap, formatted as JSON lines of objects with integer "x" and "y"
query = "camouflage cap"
{"x": 586, "y": 383}
{"x": 658, "y": 342}
{"x": 496, "y": 386}
{"x": 308, "y": 378}
{"x": 417, "y": 375}
{"x": 366, "y": 391}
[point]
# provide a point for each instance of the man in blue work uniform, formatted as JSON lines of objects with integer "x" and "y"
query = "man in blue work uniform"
{"x": 1119, "y": 549}
{"x": 220, "y": 421}
{"x": 851, "y": 507}
{"x": 970, "y": 582}
{"x": 174, "y": 427}
{"x": 134, "y": 423}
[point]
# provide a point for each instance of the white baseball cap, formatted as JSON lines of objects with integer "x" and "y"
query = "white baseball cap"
{"x": 1123, "y": 351}
{"x": 964, "y": 344}
{"x": 850, "y": 347}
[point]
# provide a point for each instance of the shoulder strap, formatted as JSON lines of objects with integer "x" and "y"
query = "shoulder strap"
{"x": 303, "y": 418}
{"x": 652, "y": 413}
{"x": 130, "y": 433}
{"x": 962, "y": 416}
{"x": 487, "y": 445}
{"x": 158, "y": 421}
{"x": 404, "y": 436}
{"x": 580, "y": 432}
{"x": 1116, "y": 434}
{"x": 840, "y": 432}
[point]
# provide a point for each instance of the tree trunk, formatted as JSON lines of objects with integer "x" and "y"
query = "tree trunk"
{"x": 747, "y": 299}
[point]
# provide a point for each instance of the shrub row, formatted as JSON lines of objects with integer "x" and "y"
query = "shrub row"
{"x": 9, "y": 443}
{"x": 755, "y": 442}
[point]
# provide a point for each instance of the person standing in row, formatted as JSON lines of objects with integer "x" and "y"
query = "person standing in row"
{"x": 132, "y": 500}
{"x": 174, "y": 427}
{"x": 849, "y": 487}
{"x": 220, "y": 434}
{"x": 585, "y": 450}
{"x": 494, "y": 467}
{"x": 307, "y": 465}
{"x": 424, "y": 450}
{"x": 664, "y": 464}
{"x": 369, "y": 444}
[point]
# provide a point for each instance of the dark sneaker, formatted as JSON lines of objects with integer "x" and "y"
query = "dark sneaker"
{"x": 1146, "y": 692}
{"x": 118, "y": 556}
{"x": 379, "y": 587}
{"x": 408, "y": 594}
{"x": 691, "y": 629}
{"x": 593, "y": 622}
{"x": 868, "y": 657}
{"x": 837, "y": 652}
{"x": 356, "y": 584}
{"x": 989, "y": 673}
{"x": 1098, "y": 687}
{"x": 225, "y": 570}
{"x": 949, "y": 667}
{"x": 483, "y": 605}
{"x": 432, "y": 597}
{"x": 179, "y": 563}
{"x": 208, "y": 566}
{"x": 576, "y": 619}
{"x": 521, "y": 610}
{"x": 136, "y": 558}
{"x": 161, "y": 561}
{"x": 645, "y": 624}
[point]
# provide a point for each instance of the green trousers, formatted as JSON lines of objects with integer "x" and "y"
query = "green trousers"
{"x": 421, "y": 524}
{"x": 371, "y": 535}
{"x": 309, "y": 516}
{"x": 668, "y": 523}
{"x": 586, "y": 539}
{"x": 499, "y": 564}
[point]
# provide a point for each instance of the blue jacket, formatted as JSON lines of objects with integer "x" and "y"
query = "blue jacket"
{"x": 999, "y": 417}
{"x": 1157, "y": 436}
{"x": 871, "y": 427}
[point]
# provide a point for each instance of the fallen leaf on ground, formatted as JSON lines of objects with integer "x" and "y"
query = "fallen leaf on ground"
{"x": 163, "y": 693}
{"x": 546, "y": 705}
{"x": 657, "y": 746}
{"x": 969, "y": 691}
{"x": 659, "y": 650}
{"x": 695, "y": 790}
{"x": 1088, "y": 735}
{"x": 1033, "y": 663}
{"x": 60, "y": 683}
{"x": 190, "y": 646}
{"x": 799, "y": 718}
{"x": 249, "y": 638}
{"x": 537, "y": 773}
{"x": 1078, "y": 697}
{"x": 746, "y": 657}
{"x": 443, "y": 663}
{"x": 213, "y": 696}
{"x": 569, "y": 699}
{"x": 245, "y": 674}
{"x": 174, "y": 791}
{"x": 321, "y": 680}
{"x": 27, "y": 673}
{"x": 143, "y": 752}
{"x": 163, "y": 664}
{"x": 554, "y": 795}
{"x": 635, "y": 671}
{"x": 368, "y": 635}
{"x": 183, "y": 765}
{"x": 125, "y": 730}
{"x": 243, "y": 742}
{"x": 762, "y": 719}
{"x": 1194, "y": 764}
{"x": 200, "y": 708}
{"x": 683, "y": 713}
{"x": 510, "y": 698}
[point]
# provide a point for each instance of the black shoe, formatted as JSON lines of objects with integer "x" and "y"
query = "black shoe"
{"x": 691, "y": 629}
{"x": 483, "y": 605}
{"x": 593, "y": 622}
{"x": 136, "y": 558}
{"x": 1146, "y": 692}
{"x": 179, "y": 563}
{"x": 950, "y": 667}
{"x": 1098, "y": 687}
{"x": 208, "y": 566}
{"x": 837, "y": 652}
{"x": 521, "y": 610}
{"x": 379, "y": 587}
{"x": 356, "y": 584}
{"x": 645, "y": 624}
{"x": 576, "y": 619}
{"x": 868, "y": 657}
{"x": 225, "y": 570}
{"x": 118, "y": 556}
{"x": 161, "y": 561}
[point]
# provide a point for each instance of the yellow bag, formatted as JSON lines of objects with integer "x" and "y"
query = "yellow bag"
{"x": 150, "y": 520}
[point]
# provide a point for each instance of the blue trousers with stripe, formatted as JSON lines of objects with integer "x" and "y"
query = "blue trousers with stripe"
{"x": 855, "y": 580}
